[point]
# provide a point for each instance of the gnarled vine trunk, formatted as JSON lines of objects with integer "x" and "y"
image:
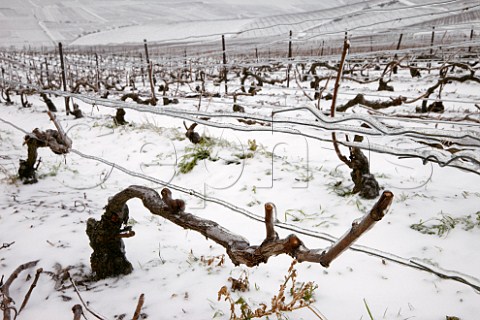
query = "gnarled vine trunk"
{"x": 108, "y": 258}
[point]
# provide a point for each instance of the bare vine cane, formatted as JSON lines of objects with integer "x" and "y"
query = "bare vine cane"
{"x": 365, "y": 183}
{"x": 358, "y": 228}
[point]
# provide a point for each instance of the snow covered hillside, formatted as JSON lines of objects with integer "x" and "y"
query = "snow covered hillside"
{"x": 27, "y": 23}
{"x": 229, "y": 135}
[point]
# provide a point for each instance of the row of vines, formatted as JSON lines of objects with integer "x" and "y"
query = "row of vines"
{"x": 359, "y": 104}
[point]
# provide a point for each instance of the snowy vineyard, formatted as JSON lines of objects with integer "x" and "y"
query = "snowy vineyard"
{"x": 253, "y": 157}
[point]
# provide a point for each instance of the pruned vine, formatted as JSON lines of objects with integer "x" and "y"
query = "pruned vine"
{"x": 105, "y": 235}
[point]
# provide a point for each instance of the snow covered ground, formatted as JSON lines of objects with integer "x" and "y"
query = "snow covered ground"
{"x": 303, "y": 177}
{"x": 433, "y": 223}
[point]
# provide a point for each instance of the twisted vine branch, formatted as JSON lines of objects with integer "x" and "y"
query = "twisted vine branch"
{"x": 238, "y": 248}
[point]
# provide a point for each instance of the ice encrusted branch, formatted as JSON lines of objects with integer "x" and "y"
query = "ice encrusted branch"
{"x": 239, "y": 248}
{"x": 376, "y": 128}
{"x": 468, "y": 159}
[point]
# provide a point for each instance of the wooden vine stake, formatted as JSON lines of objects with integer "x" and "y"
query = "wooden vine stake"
{"x": 238, "y": 248}
{"x": 289, "y": 58}
{"x": 142, "y": 71}
{"x": 432, "y": 40}
{"x": 150, "y": 74}
{"x": 471, "y": 39}
{"x": 224, "y": 73}
{"x": 64, "y": 77}
{"x": 97, "y": 73}
{"x": 399, "y": 41}
{"x": 146, "y": 50}
{"x": 152, "y": 86}
{"x": 147, "y": 58}
{"x": 185, "y": 58}
{"x": 47, "y": 75}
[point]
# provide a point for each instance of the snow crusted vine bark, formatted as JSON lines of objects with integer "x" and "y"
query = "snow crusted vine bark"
{"x": 106, "y": 235}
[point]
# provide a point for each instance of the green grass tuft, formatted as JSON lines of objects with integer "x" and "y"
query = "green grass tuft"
{"x": 190, "y": 160}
